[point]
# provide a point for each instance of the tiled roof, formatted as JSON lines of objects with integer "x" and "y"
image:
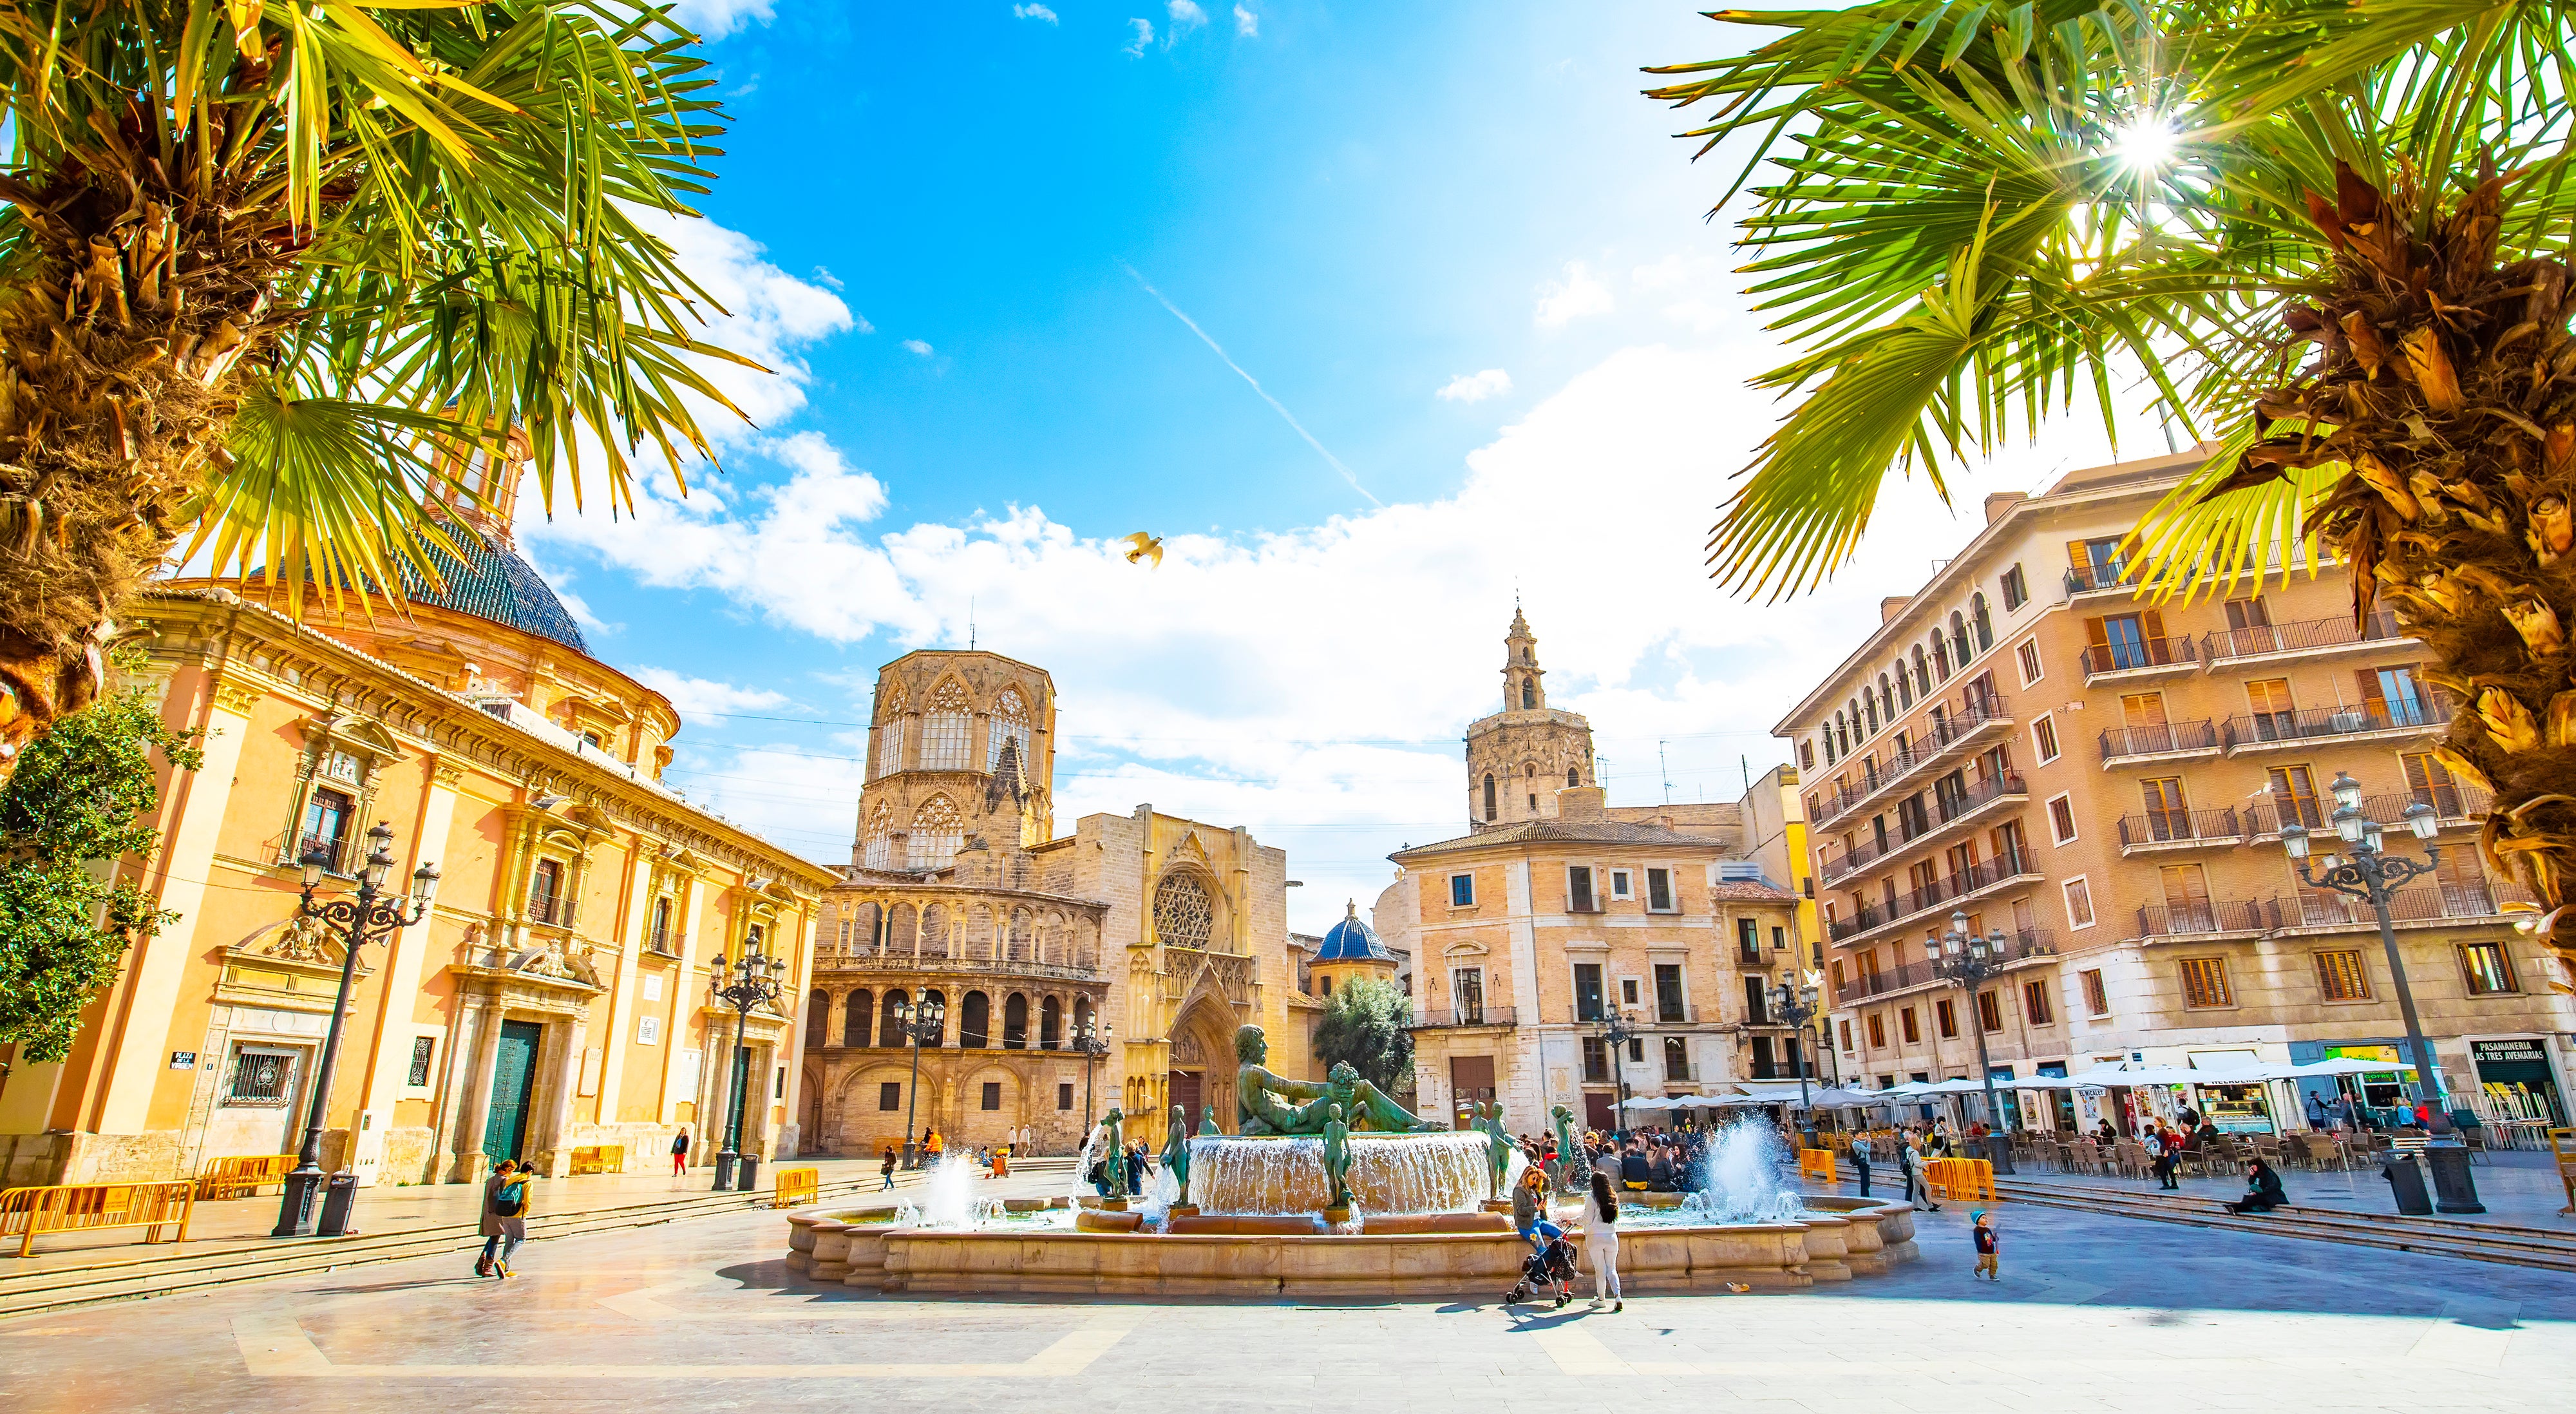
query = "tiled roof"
{"x": 1574, "y": 832}
{"x": 494, "y": 583}
{"x": 1352, "y": 941}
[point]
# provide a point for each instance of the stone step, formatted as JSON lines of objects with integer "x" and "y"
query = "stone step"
{"x": 2482, "y": 1242}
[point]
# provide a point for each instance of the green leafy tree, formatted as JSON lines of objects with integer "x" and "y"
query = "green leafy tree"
{"x": 2328, "y": 234}
{"x": 69, "y": 814}
{"x": 1364, "y": 1025}
{"x": 272, "y": 274}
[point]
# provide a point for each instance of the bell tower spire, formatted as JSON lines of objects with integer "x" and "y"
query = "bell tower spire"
{"x": 1521, "y": 756}
{"x": 1522, "y": 689}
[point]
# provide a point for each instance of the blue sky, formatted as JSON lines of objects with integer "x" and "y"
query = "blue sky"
{"x": 1449, "y": 239}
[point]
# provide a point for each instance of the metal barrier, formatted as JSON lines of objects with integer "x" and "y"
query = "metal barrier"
{"x": 2562, "y": 1147}
{"x": 84, "y": 1207}
{"x": 599, "y": 1158}
{"x": 1961, "y": 1179}
{"x": 796, "y": 1186}
{"x": 242, "y": 1175}
{"x": 1817, "y": 1164}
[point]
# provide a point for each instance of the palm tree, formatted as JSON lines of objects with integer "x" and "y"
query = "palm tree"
{"x": 2326, "y": 231}
{"x": 273, "y": 274}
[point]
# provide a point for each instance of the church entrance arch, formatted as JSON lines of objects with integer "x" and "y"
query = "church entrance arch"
{"x": 1202, "y": 1063}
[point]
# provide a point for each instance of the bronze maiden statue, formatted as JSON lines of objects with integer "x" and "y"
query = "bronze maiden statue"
{"x": 1273, "y": 1104}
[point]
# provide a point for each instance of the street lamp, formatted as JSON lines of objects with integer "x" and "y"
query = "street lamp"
{"x": 1092, "y": 1040}
{"x": 1616, "y": 1030}
{"x": 1797, "y": 1006}
{"x": 2374, "y": 875}
{"x": 367, "y": 918}
{"x": 1964, "y": 960}
{"x": 755, "y": 984}
{"x": 918, "y": 1023}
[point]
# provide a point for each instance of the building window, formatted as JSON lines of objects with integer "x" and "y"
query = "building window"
{"x": 261, "y": 1078}
{"x": 1748, "y": 942}
{"x": 2034, "y": 1004}
{"x": 546, "y": 902}
{"x": 1573, "y": 778}
{"x": 1578, "y": 890}
{"x": 1462, "y": 891}
{"x": 1908, "y": 1027}
{"x": 890, "y": 1095}
{"x": 2043, "y": 734}
{"x": 1489, "y": 797}
{"x": 662, "y": 927}
{"x": 1588, "y": 997}
{"x": 1064, "y": 1095}
{"x": 1010, "y": 726}
{"x": 2097, "y": 997}
{"x": 1619, "y": 887}
{"x": 1945, "y": 1019}
{"x": 1807, "y": 755}
{"x": 1659, "y": 891}
{"x": 1327, "y": 983}
{"x": 2061, "y": 819}
{"x": 992, "y": 1094}
{"x": 2028, "y": 654}
{"x": 2204, "y": 982}
{"x": 2079, "y": 903}
{"x": 326, "y": 827}
{"x": 422, "y": 1048}
{"x": 1982, "y": 621}
{"x": 1990, "y": 1011}
{"x": 1596, "y": 1061}
{"x": 2016, "y": 589}
{"x": 2489, "y": 970}
{"x": 889, "y": 746}
{"x": 1183, "y": 915}
{"x": 1877, "y": 1031}
{"x": 856, "y": 1014}
{"x": 1676, "y": 1059}
{"x": 937, "y": 831}
{"x": 2341, "y": 976}
{"x": 1847, "y": 1036}
{"x": 946, "y": 729}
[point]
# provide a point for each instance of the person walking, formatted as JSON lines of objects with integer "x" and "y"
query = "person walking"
{"x": 680, "y": 1153}
{"x": 885, "y": 1171}
{"x": 1601, "y": 1240}
{"x": 1988, "y": 1257}
{"x": 2165, "y": 1147}
{"x": 1910, "y": 1159}
{"x": 1860, "y": 1161}
{"x": 505, "y": 1219}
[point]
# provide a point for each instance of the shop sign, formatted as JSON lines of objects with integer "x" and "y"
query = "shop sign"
{"x": 2368, "y": 1053}
{"x": 183, "y": 1060}
{"x": 2520, "y": 1051}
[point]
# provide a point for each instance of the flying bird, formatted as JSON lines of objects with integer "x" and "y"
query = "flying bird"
{"x": 1145, "y": 546}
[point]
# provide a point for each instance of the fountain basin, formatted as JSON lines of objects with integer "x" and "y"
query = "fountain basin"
{"x": 1440, "y": 1172}
{"x": 1107, "y": 1220}
{"x": 1247, "y": 1225}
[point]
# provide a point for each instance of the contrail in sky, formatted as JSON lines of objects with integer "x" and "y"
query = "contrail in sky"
{"x": 1275, "y": 405}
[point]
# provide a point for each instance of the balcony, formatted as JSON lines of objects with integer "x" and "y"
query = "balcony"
{"x": 2307, "y": 638}
{"x": 2433, "y": 903}
{"x": 2026, "y": 945}
{"x": 2454, "y": 808}
{"x": 980, "y": 966}
{"x": 1968, "y": 806}
{"x": 2272, "y": 731}
{"x": 1459, "y": 1018}
{"x": 2202, "y": 918}
{"x": 2115, "y": 578}
{"x": 2161, "y": 831}
{"x": 2140, "y": 660}
{"x": 2159, "y": 742}
{"x": 1992, "y": 874}
{"x": 553, "y": 912}
{"x": 1947, "y": 732}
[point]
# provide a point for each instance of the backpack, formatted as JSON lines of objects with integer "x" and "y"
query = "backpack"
{"x": 504, "y": 1205}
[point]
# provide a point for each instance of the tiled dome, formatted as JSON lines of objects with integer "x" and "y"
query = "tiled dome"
{"x": 1352, "y": 941}
{"x": 495, "y": 583}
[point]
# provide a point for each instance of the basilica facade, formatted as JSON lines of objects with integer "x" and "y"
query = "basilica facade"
{"x": 1110, "y": 965}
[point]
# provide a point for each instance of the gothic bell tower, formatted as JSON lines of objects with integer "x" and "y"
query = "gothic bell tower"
{"x": 1520, "y": 757}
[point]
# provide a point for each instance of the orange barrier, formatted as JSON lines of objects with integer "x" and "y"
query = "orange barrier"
{"x": 1962, "y": 1179}
{"x": 796, "y": 1186}
{"x": 242, "y": 1175}
{"x": 1817, "y": 1164}
{"x": 85, "y": 1207}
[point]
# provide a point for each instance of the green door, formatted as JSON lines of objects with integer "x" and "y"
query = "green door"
{"x": 514, "y": 1077}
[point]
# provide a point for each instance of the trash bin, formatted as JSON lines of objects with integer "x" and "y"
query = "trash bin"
{"x": 749, "y": 1174}
{"x": 2406, "y": 1181}
{"x": 339, "y": 1201}
{"x": 2454, "y": 1188}
{"x": 1998, "y": 1151}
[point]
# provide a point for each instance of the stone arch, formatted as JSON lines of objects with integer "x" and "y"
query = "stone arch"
{"x": 1022, "y": 947}
{"x": 1051, "y": 1022}
{"x": 903, "y": 937}
{"x": 1205, "y": 1025}
{"x": 977, "y": 943}
{"x": 1010, "y": 724}
{"x": 935, "y": 940}
{"x": 890, "y": 1026}
{"x": 947, "y": 727}
{"x": 938, "y": 828}
{"x": 855, "y": 1016}
{"x": 1082, "y": 1015}
{"x": 818, "y": 1019}
{"x": 975, "y": 1020}
{"x": 877, "y": 851}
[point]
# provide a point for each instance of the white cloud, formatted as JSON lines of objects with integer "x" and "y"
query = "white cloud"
{"x": 1561, "y": 302}
{"x": 714, "y": 19}
{"x": 1476, "y": 387}
{"x": 1034, "y": 12}
{"x": 1139, "y": 34}
{"x": 1246, "y": 23}
{"x": 693, "y": 696}
{"x": 1698, "y": 290}
{"x": 918, "y": 346}
{"x": 1185, "y": 16}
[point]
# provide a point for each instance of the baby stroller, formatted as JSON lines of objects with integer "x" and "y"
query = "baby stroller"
{"x": 1551, "y": 1265}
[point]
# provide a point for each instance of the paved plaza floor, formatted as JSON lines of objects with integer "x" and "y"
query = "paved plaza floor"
{"x": 2093, "y": 1313}
{"x": 2519, "y": 1187}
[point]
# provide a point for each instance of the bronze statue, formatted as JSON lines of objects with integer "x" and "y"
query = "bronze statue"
{"x": 1176, "y": 1152}
{"x": 1262, "y": 1099}
{"x": 1113, "y": 1159}
{"x": 1337, "y": 1159}
{"x": 1570, "y": 1158}
{"x": 1498, "y": 1145}
{"x": 1207, "y": 1121}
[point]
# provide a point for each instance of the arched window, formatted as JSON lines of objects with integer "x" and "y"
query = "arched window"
{"x": 889, "y": 732}
{"x": 1183, "y": 915}
{"x": 1958, "y": 639}
{"x": 1922, "y": 676}
{"x": 818, "y": 1019}
{"x": 1573, "y": 777}
{"x": 975, "y": 1022}
{"x": 1081, "y": 1014}
{"x": 928, "y": 997}
{"x": 879, "y": 852}
{"x": 1050, "y": 1023}
{"x": 1011, "y": 724}
{"x": 868, "y": 936}
{"x": 1529, "y": 695}
{"x": 1940, "y": 656}
{"x": 1015, "y": 1023}
{"x": 855, "y": 1019}
{"x": 890, "y": 1025}
{"x": 1985, "y": 623}
{"x": 936, "y": 939}
{"x": 937, "y": 830}
{"x": 1904, "y": 686}
{"x": 1869, "y": 708}
{"x": 946, "y": 727}
{"x": 1489, "y": 797}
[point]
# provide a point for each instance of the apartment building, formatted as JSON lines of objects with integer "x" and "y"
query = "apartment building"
{"x": 2104, "y": 782}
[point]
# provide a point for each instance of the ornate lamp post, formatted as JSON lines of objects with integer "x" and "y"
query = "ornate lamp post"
{"x": 1616, "y": 1030}
{"x": 919, "y": 1023}
{"x": 1091, "y": 1042}
{"x": 1968, "y": 961}
{"x": 1797, "y": 1006}
{"x": 755, "y": 984}
{"x": 366, "y": 918}
{"x": 2374, "y": 875}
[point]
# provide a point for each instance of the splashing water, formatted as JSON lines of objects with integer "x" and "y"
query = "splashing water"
{"x": 1739, "y": 1177}
{"x": 948, "y": 1200}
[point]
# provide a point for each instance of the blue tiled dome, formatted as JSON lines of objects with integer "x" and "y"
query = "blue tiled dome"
{"x": 1352, "y": 941}
{"x": 494, "y": 583}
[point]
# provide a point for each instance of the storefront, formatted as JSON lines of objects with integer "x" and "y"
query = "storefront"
{"x": 2060, "y": 1100}
{"x": 2379, "y": 1089}
{"x": 2516, "y": 1079}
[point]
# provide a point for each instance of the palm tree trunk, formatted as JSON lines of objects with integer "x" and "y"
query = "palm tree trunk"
{"x": 125, "y": 347}
{"x": 2449, "y": 386}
